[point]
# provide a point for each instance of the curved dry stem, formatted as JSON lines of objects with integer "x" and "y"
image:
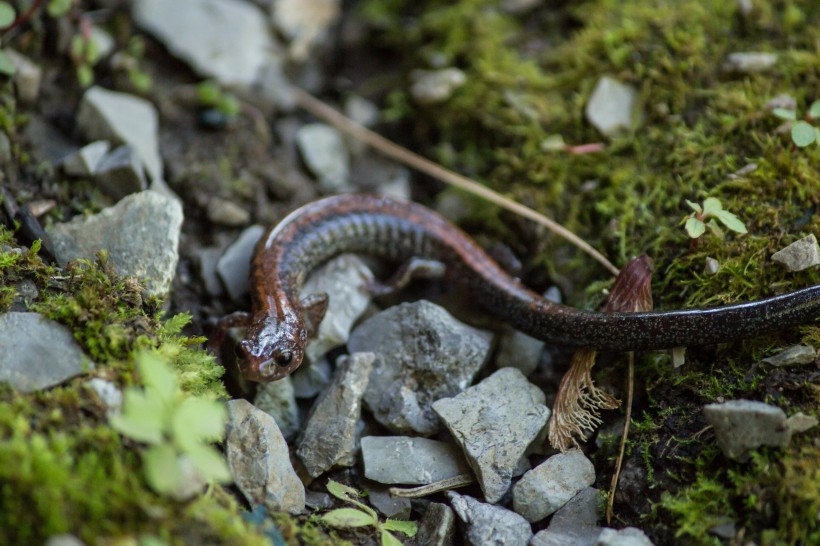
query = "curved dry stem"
{"x": 415, "y": 161}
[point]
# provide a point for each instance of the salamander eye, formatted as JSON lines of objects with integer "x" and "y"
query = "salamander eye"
{"x": 283, "y": 358}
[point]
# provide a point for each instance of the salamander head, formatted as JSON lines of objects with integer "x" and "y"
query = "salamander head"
{"x": 272, "y": 349}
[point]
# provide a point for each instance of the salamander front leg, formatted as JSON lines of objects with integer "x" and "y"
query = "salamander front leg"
{"x": 314, "y": 307}
{"x": 415, "y": 268}
{"x": 219, "y": 329}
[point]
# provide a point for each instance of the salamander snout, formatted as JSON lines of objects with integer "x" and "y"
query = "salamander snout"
{"x": 271, "y": 350}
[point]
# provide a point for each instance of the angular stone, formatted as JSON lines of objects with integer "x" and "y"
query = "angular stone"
{"x": 436, "y": 86}
{"x": 423, "y": 354}
{"x": 305, "y": 23}
{"x": 84, "y": 162}
{"x": 141, "y": 234}
{"x": 792, "y": 356}
{"x": 277, "y": 400}
{"x": 228, "y": 40}
{"x": 628, "y": 536}
{"x": 38, "y": 353}
{"x": 323, "y": 150}
{"x": 259, "y": 460}
{"x": 344, "y": 279}
{"x": 108, "y": 393}
{"x": 27, "y": 77}
{"x": 122, "y": 119}
{"x": 550, "y": 485}
{"x": 612, "y": 107}
{"x": 329, "y": 438}
{"x": 437, "y": 527}
{"x": 743, "y": 425}
{"x": 388, "y": 505}
{"x": 311, "y": 378}
{"x": 489, "y": 525}
{"x": 575, "y": 524}
{"x": 518, "y": 350}
{"x": 405, "y": 460}
{"x": 234, "y": 267}
{"x": 119, "y": 173}
{"x": 747, "y": 62}
{"x": 226, "y": 213}
{"x": 801, "y": 254}
{"x": 494, "y": 422}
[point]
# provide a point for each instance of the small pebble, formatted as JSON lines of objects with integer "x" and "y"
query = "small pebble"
{"x": 612, "y": 107}
{"x": 436, "y": 86}
{"x": 748, "y": 62}
{"x": 489, "y": 525}
{"x": 792, "y": 356}
{"x": 227, "y": 213}
{"x": 801, "y": 254}
{"x": 711, "y": 266}
{"x": 628, "y": 536}
{"x": 743, "y": 425}
{"x": 550, "y": 485}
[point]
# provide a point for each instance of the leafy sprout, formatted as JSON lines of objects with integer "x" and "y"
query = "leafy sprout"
{"x": 363, "y": 516}
{"x": 178, "y": 428}
{"x": 705, "y": 216}
{"x": 803, "y": 133}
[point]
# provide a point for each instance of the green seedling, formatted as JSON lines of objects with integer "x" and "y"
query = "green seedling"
{"x": 176, "y": 427}
{"x": 705, "y": 216}
{"x": 363, "y": 516}
{"x": 210, "y": 95}
{"x": 803, "y": 132}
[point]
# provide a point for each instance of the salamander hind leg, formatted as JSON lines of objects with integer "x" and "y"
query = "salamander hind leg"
{"x": 314, "y": 307}
{"x": 415, "y": 268}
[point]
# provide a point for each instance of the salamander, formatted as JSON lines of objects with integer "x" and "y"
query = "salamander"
{"x": 281, "y": 322}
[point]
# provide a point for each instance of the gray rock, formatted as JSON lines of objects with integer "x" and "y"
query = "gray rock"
{"x": 747, "y": 62}
{"x": 64, "y": 540}
{"x": 108, "y": 393}
{"x": 388, "y": 505}
{"x": 489, "y": 525}
{"x": 122, "y": 119}
{"x": 207, "y": 258}
{"x": 575, "y": 524}
{"x": 141, "y": 234}
{"x": 628, "y": 536}
{"x": 711, "y": 266}
{"x": 518, "y": 350}
{"x": 361, "y": 110}
{"x": 306, "y": 24}
{"x": 494, "y": 422}
{"x": 344, "y": 279}
{"x": 234, "y": 267}
{"x": 37, "y": 353}
{"x": 318, "y": 500}
{"x": 323, "y": 150}
{"x": 119, "y": 173}
{"x": 278, "y": 400}
{"x": 85, "y": 160}
{"x": 799, "y": 255}
{"x": 793, "y": 356}
{"x": 311, "y": 378}
{"x": 228, "y": 40}
{"x": 423, "y": 354}
{"x": 550, "y": 485}
{"x": 259, "y": 460}
{"x": 329, "y": 438}
{"x": 406, "y": 460}
{"x": 226, "y": 213}
{"x": 437, "y": 527}
{"x": 27, "y": 77}
{"x": 102, "y": 40}
{"x": 436, "y": 86}
{"x": 743, "y": 425}
{"x": 376, "y": 174}
{"x": 800, "y": 422}
{"x": 612, "y": 107}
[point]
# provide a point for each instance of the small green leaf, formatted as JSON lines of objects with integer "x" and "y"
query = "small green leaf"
{"x": 348, "y": 518}
{"x": 345, "y": 493}
{"x": 162, "y": 469}
{"x": 783, "y": 113}
{"x": 85, "y": 75}
{"x": 814, "y": 110}
{"x": 731, "y": 221}
{"x": 92, "y": 52}
{"x": 175, "y": 324}
{"x": 196, "y": 420}
{"x": 58, "y": 8}
{"x": 389, "y": 540}
{"x": 803, "y": 134}
{"x": 694, "y": 206}
{"x": 228, "y": 104}
{"x": 711, "y": 205}
{"x": 409, "y": 528}
{"x": 7, "y": 14}
{"x": 715, "y": 229}
{"x": 695, "y": 228}
{"x": 157, "y": 375}
{"x": 208, "y": 93}
{"x": 143, "y": 416}
{"x": 7, "y": 67}
{"x": 210, "y": 463}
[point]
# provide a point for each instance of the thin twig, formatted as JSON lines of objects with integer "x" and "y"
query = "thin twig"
{"x": 630, "y": 388}
{"x": 415, "y": 161}
{"x": 422, "y": 491}
{"x": 20, "y": 20}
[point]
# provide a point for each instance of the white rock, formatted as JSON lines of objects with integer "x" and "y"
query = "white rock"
{"x": 749, "y": 61}
{"x": 228, "y": 40}
{"x": 612, "y": 107}
{"x": 628, "y": 536}
{"x": 84, "y": 162}
{"x": 323, "y": 150}
{"x": 122, "y": 119}
{"x": 305, "y": 23}
{"x": 742, "y": 425}
{"x": 27, "y": 77}
{"x": 436, "y": 86}
{"x": 801, "y": 254}
{"x": 110, "y": 395}
{"x": 711, "y": 266}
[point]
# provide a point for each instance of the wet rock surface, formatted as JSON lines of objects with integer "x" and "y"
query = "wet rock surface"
{"x": 401, "y": 459}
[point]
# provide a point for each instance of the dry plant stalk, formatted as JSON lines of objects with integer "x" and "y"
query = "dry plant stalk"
{"x": 579, "y": 402}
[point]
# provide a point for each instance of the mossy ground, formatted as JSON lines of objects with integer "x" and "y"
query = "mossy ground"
{"x": 528, "y": 78}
